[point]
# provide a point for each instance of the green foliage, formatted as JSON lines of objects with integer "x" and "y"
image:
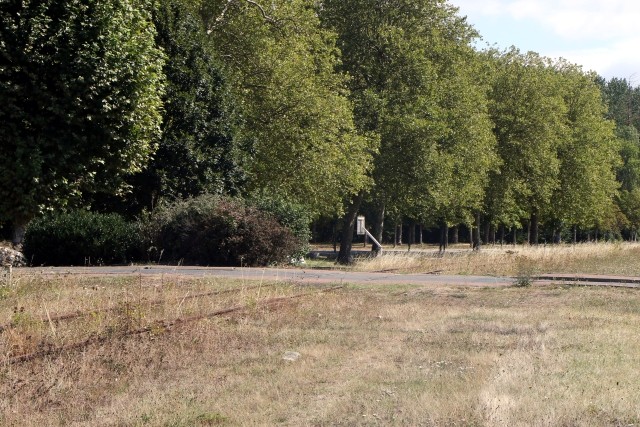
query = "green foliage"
{"x": 629, "y": 203}
{"x": 81, "y": 238}
{"x": 528, "y": 112}
{"x": 212, "y": 230}
{"x": 290, "y": 112}
{"x": 589, "y": 154}
{"x": 629, "y": 172}
{"x": 414, "y": 86}
{"x": 623, "y": 101}
{"x": 80, "y": 83}
{"x": 195, "y": 154}
{"x": 291, "y": 215}
{"x": 311, "y": 103}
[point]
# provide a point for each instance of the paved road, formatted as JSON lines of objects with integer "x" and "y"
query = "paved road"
{"x": 329, "y": 276}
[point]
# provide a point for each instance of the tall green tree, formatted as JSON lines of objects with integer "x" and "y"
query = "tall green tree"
{"x": 528, "y": 111}
{"x": 81, "y": 84}
{"x": 291, "y": 116}
{"x": 196, "y": 153}
{"x": 410, "y": 87}
{"x": 466, "y": 152}
{"x": 623, "y": 102}
{"x": 629, "y": 203}
{"x": 589, "y": 154}
{"x": 629, "y": 172}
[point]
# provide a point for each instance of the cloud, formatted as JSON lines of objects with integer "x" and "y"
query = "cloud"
{"x": 613, "y": 60}
{"x": 600, "y": 35}
{"x": 571, "y": 19}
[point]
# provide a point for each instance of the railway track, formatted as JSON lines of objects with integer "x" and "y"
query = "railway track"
{"x": 79, "y": 314}
{"x": 164, "y": 325}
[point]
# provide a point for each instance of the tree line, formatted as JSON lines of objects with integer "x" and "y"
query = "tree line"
{"x": 336, "y": 106}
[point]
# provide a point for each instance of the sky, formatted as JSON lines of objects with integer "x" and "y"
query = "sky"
{"x": 600, "y": 35}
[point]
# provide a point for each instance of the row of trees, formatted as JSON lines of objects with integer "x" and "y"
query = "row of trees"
{"x": 119, "y": 104}
{"x": 337, "y": 106}
{"x": 500, "y": 138}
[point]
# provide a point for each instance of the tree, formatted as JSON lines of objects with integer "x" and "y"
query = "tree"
{"x": 196, "y": 153}
{"x": 629, "y": 172}
{"x": 589, "y": 154}
{"x": 409, "y": 85}
{"x": 466, "y": 152}
{"x": 529, "y": 112}
{"x": 291, "y": 116}
{"x": 80, "y": 83}
{"x": 629, "y": 203}
{"x": 623, "y": 103}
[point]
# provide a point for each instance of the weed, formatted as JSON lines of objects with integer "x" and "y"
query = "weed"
{"x": 211, "y": 419}
{"x": 523, "y": 279}
{"x": 21, "y": 318}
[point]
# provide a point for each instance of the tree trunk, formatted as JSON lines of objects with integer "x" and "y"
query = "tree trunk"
{"x": 378, "y": 229}
{"x": 487, "y": 232}
{"x": 420, "y": 230}
{"x": 334, "y": 235}
{"x": 395, "y": 235}
{"x": 502, "y": 227}
{"x": 455, "y": 235}
{"x": 400, "y": 233}
{"x": 412, "y": 234}
{"x": 378, "y": 222}
{"x": 477, "y": 241}
{"x": 471, "y": 242}
{"x": 349, "y": 223}
{"x": 515, "y": 236}
{"x": 534, "y": 228}
{"x": 444, "y": 236}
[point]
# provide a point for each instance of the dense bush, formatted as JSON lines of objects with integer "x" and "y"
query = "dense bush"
{"x": 291, "y": 215}
{"x": 80, "y": 238}
{"x": 211, "y": 230}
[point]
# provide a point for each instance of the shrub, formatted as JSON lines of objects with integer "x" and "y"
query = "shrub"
{"x": 289, "y": 214}
{"x": 212, "y": 230}
{"x": 80, "y": 238}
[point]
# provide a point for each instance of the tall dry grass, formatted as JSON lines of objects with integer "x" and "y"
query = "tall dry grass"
{"x": 393, "y": 355}
{"x": 588, "y": 258}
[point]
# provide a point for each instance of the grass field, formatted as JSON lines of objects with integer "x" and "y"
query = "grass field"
{"x": 143, "y": 351}
{"x": 590, "y": 258}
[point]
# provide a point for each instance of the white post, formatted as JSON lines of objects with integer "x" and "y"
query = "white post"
{"x": 373, "y": 238}
{"x": 360, "y": 230}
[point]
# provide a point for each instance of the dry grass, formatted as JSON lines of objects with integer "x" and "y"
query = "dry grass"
{"x": 601, "y": 258}
{"x": 369, "y": 355}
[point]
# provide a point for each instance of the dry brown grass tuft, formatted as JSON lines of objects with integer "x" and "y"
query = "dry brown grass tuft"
{"x": 591, "y": 258}
{"x": 393, "y": 355}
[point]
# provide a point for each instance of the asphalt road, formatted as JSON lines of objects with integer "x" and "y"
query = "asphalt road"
{"x": 302, "y": 275}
